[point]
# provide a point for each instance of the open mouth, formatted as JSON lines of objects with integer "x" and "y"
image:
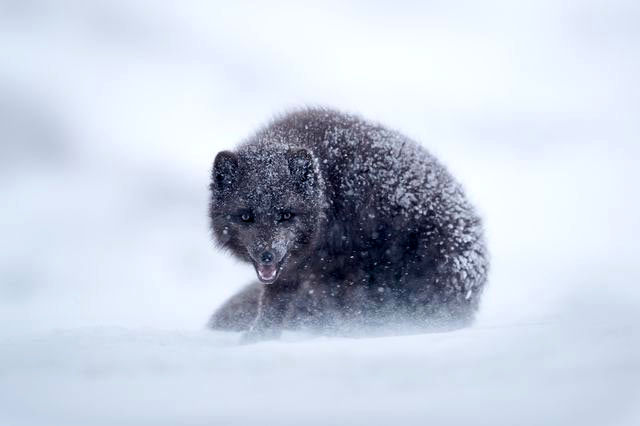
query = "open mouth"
{"x": 267, "y": 273}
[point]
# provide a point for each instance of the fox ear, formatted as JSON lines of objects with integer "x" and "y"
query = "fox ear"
{"x": 301, "y": 168}
{"x": 225, "y": 171}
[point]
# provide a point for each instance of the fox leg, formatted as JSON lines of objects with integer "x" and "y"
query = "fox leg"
{"x": 239, "y": 312}
{"x": 275, "y": 305}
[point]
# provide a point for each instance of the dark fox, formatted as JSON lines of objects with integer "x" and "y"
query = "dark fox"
{"x": 350, "y": 226}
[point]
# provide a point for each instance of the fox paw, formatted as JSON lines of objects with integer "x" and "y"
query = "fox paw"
{"x": 256, "y": 334}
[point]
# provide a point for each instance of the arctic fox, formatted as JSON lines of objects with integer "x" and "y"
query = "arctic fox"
{"x": 349, "y": 226}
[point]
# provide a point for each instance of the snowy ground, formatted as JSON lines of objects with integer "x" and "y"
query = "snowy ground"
{"x": 111, "y": 113}
{"x": 528, "y": 374}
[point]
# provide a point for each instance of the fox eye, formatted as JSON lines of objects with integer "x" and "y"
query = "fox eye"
{"x": 285, "y": 216}
{"x": 246, "y": 217}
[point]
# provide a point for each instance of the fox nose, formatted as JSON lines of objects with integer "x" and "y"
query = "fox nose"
{"x": 266, "y": 257}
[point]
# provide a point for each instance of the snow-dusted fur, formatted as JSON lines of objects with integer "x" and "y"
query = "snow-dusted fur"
{"x": 380, "y": 234}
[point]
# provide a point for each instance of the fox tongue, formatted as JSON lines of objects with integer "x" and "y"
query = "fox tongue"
{"x": 267, "y": 272}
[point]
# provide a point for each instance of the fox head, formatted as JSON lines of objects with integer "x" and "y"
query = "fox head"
{"x": 267, "y": 206}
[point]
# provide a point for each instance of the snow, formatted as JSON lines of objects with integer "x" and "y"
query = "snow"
{"x": 528, "y": 373}
{"x": 110, "y": 117}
